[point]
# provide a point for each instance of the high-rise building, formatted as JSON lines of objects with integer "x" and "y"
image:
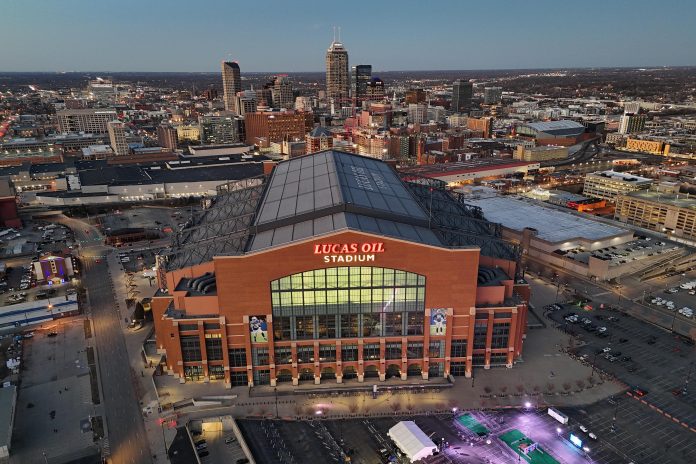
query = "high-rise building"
{"x": 631, "y": 123}
{"x": 167, "y": 136}
{"x": 492, "y": 95}
{"x": 219, "y": 129}
{"x": 88, "y": 120}
{"x": 275, "y": 126}
{"x": 632, "y": 107}
{"x": 417, "y": 113}
{"x": 415, "y": 96}
{"x": 247, "y": 102}
{"x": 462, "y": 92}
{"x": 361, "y": 75}
{"x": 337, "y": 78}
{"x": 374, "y": 90}
{"x": 282, "y": 92}
{"x": 117, "y": 137}
{"x": 231, "y": 84}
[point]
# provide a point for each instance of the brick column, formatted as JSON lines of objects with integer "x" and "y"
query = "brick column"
{"x": 512, "y": 338}
{"x": 271, "y": 350}
{"x": 247, "y": 346}
{"x": 426, "y": 344}
{"x": 361, "y": 365}
{"x": 489, "y": 340}
{"x": 295, "y": 369}
{"x": 317, "y": 368}
{"x": 339, "y": 363}
{"x": 470, "y": 343}
{"x": 204, "y": 351}
{"x": 225, "y": 353}
{"x": 382, "y": 361}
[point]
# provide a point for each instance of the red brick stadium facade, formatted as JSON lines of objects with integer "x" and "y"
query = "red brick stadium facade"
{"x": 340, "y": 306}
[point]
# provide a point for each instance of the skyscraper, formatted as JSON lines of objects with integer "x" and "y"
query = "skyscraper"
{"x": 461, "y": 96}
{"x": 337, "y": 78}
{"x": 231, "y": 84}
{"x": 361, "y": 75}
{"x": 218, "y": 129}
{"x": 166, "y": 136}
{"x": 492, "y": 95}
{"x": 282, "y": 92}
{"x": 117, "y": 137}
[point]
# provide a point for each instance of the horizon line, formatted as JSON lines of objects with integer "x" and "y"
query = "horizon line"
{"x": 383, "y": 70}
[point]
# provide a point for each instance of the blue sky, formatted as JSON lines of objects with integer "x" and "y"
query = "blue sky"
{"x": 292, "y": 35}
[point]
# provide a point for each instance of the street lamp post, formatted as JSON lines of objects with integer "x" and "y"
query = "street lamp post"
{"x": 688, "y": 377}
{"x": 594, "y": 360}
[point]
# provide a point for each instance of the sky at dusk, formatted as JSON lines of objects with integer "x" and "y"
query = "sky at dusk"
{"x": 291, "y": 36}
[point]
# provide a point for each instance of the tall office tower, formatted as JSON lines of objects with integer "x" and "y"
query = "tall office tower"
{"x": 337, "y": 78}
{"x": 360, "y": 77}
{"x": 218, "y": 129}
{"x": 417, "y": 113}
{"x": 462, "y": 92}
{"x": 282, "y": 92}
{"x": 231, "y": 84}
{"x": 375, "y": 90}
{"x": 264, "y": 96}
{"x": 492, "y": 95}
{"x": 117, "y": 137}
{"x": 632, "y": 107}
{"x": 415, "y": 96}
{"x": 631, "y": 123}
{"x": 247, "y": 102}
{"x": 167, "y": 136}
{"x": 88, "y": 120}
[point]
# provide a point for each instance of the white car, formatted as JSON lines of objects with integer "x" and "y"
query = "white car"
{"x": 602, "y": 329}
{"x": 592, "y": 436}
{"x": 583, "y": 428}
{"x": 606, "y": 350}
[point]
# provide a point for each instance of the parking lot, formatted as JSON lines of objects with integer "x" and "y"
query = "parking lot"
{"x": 640, "y": 434}
{"x": 54, "y": 403}
{"x": 654, "y": 364}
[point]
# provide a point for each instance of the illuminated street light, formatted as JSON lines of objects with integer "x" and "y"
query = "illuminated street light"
{"x": 527, "y": 404}
{"x": 558, "y": 430}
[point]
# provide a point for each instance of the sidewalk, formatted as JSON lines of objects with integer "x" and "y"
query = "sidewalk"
{"x": 141, "y": 372}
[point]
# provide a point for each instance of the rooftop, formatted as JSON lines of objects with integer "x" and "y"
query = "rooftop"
{"x": 551, "y": 224}
{"x": 622, "y": 176}
{"x": 681, "y": 200}
{"x": 546, "y": 126}
{"x": 474, "y": 165}
{"x": 330, "y": 191}
{"x": 7, "y": 408}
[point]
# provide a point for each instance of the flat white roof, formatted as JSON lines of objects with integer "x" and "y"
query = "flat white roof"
{"x": 412, "y": 440}
{"x": 552, "y": 225}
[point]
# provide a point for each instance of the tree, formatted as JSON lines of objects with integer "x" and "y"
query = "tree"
{"x": 580, "y": 383}
{"x": 537, "y": 388}
{"x": 550, "y": 387}
{"x": 519, "y": 388}
{"x": 503, "y": 389}
{"x": 487, "y": 389}
{"x": 567, "y": 386}
{"x": 395, "y": 406}
{"x": 353, "y": 407}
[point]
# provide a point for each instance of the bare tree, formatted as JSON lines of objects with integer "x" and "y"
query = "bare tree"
{"x": 487, "y": 389}
{"x": 567, "y": 386}
{"x": 580, "y": 383}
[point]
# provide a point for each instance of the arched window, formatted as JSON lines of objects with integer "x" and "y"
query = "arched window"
{"x": 348, "y": 302}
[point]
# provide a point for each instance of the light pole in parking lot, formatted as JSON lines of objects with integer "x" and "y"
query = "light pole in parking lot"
{"x": 688, "y": 377}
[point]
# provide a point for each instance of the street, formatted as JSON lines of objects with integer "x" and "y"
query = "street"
{"x": 127, "y": 440}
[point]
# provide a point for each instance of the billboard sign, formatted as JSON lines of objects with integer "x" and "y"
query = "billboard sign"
{"x": 438, "y": 321}
{"x": 348, "y": 252}
{"x": 258, "y": 329}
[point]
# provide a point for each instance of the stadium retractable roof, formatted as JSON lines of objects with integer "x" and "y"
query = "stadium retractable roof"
{"x": 329, "y": 191}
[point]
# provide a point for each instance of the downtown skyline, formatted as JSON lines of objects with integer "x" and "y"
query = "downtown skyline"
{"x": 444, "y": 36}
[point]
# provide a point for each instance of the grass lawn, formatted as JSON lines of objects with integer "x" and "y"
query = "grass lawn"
{"x": 470, "y": 422}
{"x": 514, "y": 438}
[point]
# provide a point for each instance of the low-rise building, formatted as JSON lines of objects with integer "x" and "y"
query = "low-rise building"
{"x": 656, "y": 147}
{"x": 606, "y": 185}
{"x": 542, "y": 153}
{"x": 670, "y": 213}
